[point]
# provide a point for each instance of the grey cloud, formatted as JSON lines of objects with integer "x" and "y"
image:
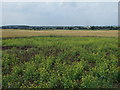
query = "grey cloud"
{"x": 62, "y": 13}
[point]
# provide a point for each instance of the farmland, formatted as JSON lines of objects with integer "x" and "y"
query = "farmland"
{"x": 27, "y": 33}
{"x": 54, "y": 60}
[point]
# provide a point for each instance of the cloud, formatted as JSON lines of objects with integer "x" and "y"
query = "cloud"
{"x": 62, "y": 13}
{"x": 60, "y": 0}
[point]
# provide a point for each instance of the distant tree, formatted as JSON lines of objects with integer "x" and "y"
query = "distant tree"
{"x": 92, "y": 27}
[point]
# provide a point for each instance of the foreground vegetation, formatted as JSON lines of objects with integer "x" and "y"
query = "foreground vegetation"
{"x": 60, "y": 62}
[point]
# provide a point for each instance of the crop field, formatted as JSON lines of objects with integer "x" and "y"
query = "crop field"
{"x": 60, "y": 62}
{"x": 27, "y": 33}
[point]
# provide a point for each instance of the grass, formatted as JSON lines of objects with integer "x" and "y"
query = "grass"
{"x": 60, "y": 62}
{"x": 26, "y": 33}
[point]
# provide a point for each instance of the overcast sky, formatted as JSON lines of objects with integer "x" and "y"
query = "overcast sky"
{"x": 60, "y": 13}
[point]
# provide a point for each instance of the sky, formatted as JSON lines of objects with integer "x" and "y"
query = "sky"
{"x": 60, "y": 0}
{"x": 119, "y": 14}
{"x": 60, "y": 13}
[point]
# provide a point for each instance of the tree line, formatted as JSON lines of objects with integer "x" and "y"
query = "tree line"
{"x": 61, "y": 27}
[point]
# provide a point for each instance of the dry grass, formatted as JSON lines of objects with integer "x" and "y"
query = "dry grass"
{"x": 26, "y": 33}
